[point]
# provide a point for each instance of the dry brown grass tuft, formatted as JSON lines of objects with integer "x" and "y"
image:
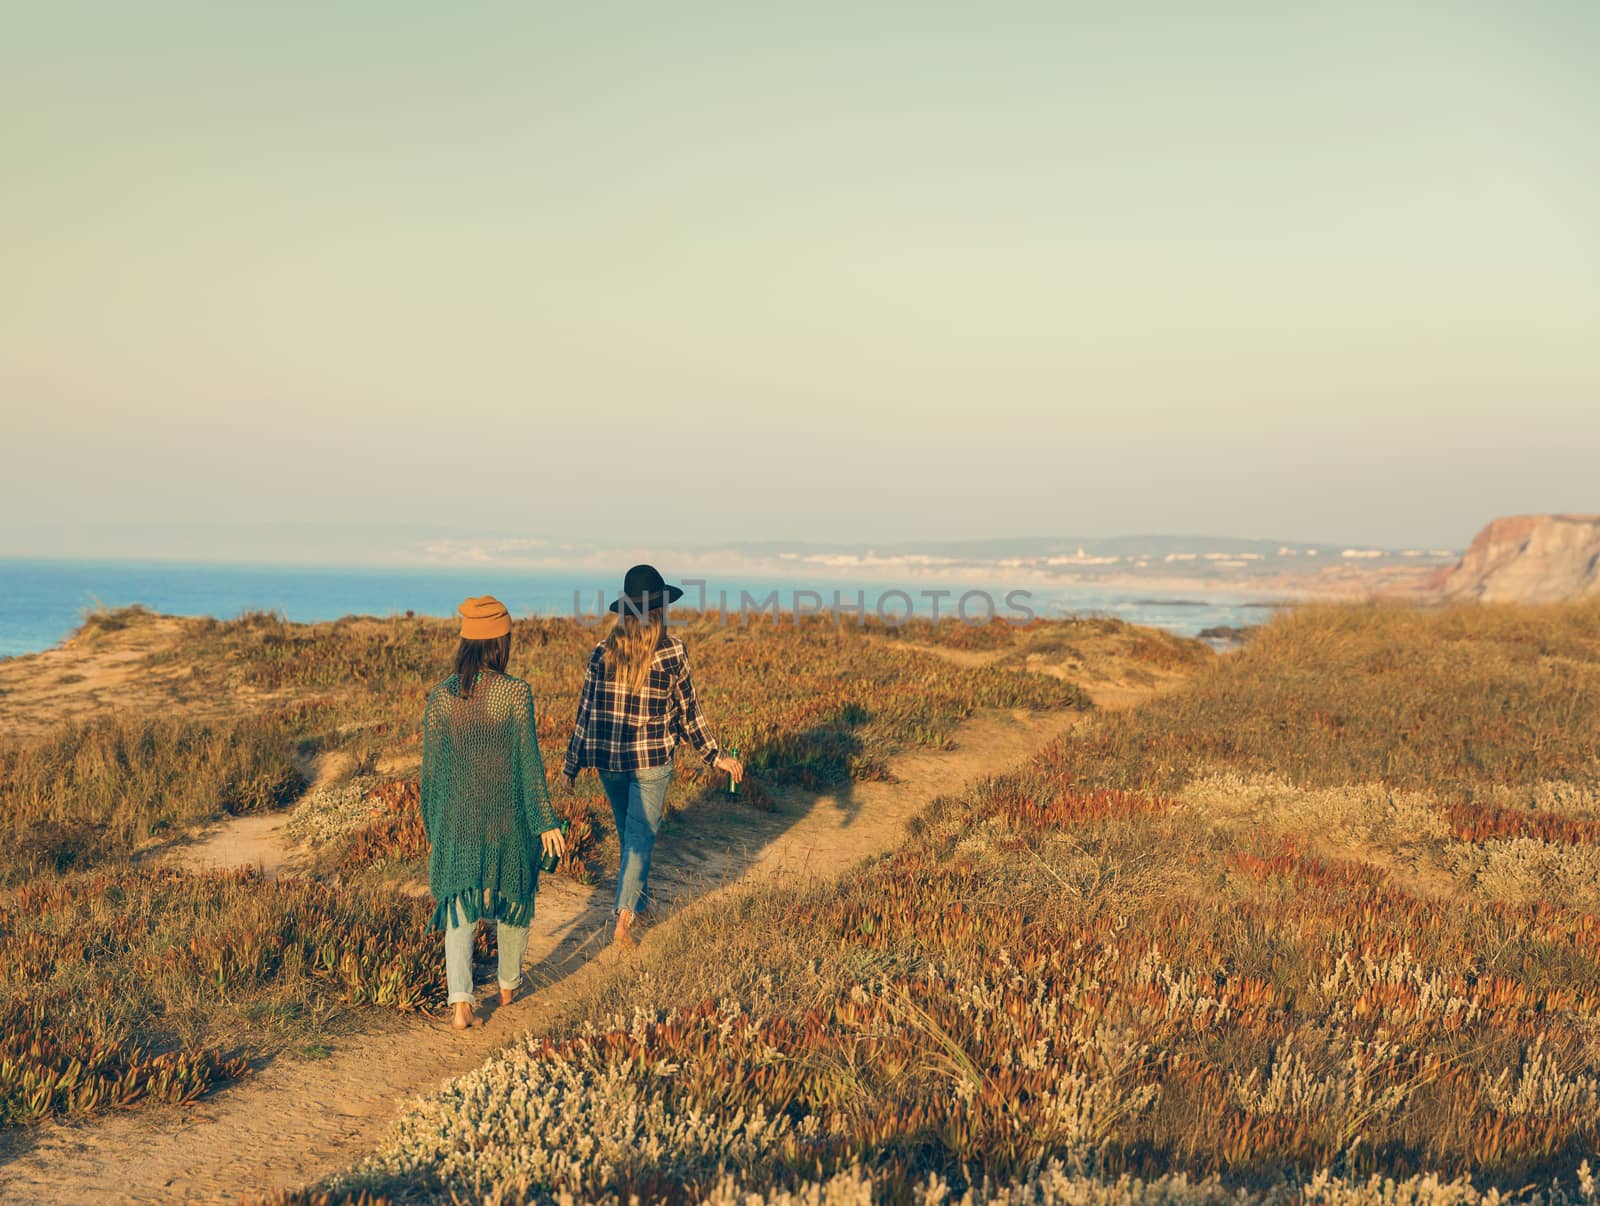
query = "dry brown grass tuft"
{"x": 94, "y": 791}
{"x": 1457, "y": 702}
{"x": 129, "y": 985}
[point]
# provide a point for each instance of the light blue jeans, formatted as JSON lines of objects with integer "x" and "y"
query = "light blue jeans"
{"x": 637, "y": 798}
{"x": 512, "y": 941}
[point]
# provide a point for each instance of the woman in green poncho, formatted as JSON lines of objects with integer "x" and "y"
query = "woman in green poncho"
{"x": 484, "y": 798}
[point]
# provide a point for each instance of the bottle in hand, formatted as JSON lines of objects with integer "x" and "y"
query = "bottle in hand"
{"x": 549, "y": 862}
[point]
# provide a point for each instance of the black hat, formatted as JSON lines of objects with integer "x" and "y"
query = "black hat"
{"x": 643, "y": 590}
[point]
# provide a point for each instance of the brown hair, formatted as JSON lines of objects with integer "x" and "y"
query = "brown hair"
{"x": 631, "y": 645}
{"x": 473, "y": 657}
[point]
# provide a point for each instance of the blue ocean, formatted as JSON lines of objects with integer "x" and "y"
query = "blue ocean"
{"x": 41, "y": 601}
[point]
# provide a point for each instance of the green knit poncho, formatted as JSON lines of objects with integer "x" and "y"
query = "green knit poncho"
{"x": 484, "y": 800}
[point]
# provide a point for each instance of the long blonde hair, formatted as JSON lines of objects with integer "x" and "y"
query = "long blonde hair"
{"x": 631, "y": 646}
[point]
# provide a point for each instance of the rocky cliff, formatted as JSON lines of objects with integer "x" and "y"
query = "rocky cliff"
{"x": 1529, "y": 559}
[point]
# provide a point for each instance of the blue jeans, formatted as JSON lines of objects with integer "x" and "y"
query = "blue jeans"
{"x": 637, "y": 798}
{"x": 512, "y": 941}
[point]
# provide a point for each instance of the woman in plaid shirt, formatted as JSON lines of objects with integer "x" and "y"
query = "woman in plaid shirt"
{"x": 637, "y": 703}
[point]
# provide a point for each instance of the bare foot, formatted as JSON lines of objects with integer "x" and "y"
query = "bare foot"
{"x": 507, "y": 995}
{"x": 462, "y": 1016}
{"x": 623, "y": 936}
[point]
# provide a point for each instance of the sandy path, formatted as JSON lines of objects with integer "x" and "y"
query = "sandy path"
{"x": 297, "y": 1121}
{"x": 256, "y": 840}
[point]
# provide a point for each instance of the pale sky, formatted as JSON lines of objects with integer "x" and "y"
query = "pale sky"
{"x": 695, "y": 272}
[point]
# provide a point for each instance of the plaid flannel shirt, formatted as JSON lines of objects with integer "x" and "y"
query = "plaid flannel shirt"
{"x": 616, "y": 731}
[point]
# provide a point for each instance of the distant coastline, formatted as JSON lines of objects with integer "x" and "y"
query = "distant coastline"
{"x": 1157, "y": 563}
{"x": 42, "y": 600}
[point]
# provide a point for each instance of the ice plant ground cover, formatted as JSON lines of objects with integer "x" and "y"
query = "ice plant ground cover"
{"x": 124, "y": 981}
{"x": 1329, "y": 909}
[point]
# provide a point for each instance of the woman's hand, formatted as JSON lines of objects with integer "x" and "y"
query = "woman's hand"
{"x": 568, "y": 783}
{"x": 554, "y": 844}
{"x": 730, "y": 766}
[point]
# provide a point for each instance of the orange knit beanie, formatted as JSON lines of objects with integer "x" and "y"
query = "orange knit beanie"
{"x": 484, "y": 618}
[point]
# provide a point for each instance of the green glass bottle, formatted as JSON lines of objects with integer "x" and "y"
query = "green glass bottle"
{"x": 733, "y": 784}
{"x": 549, "y": 862}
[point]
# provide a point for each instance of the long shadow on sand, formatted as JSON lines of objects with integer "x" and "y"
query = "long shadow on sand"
{"x": 713, "y": 838}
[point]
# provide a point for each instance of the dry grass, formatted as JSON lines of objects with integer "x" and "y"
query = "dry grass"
{"x": 94, "y": 791}
{"x": 1459, "y": 703}
{"x": 121, "y": 984}
{"x": 811, "y": 706}
{"x": 1104, "y": 643}
{"x": 129, "y": 985}
{"x": 1220, "y": 936}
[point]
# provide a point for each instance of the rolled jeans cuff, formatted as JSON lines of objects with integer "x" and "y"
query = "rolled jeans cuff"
{"x": 512, "y": 941}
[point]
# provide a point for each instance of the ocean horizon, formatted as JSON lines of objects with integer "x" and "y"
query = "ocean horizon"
{"x": 43, "y": 600}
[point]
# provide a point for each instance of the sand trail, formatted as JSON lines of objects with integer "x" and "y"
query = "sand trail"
{"x": 297, "y": 1120}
